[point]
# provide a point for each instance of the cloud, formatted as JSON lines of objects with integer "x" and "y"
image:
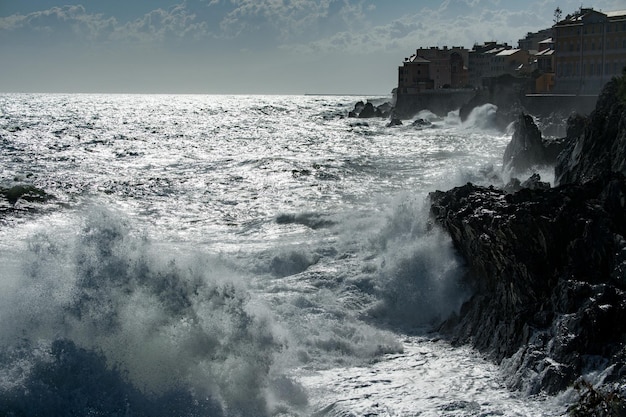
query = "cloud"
{"x": 74, "y": 23}
{"x": 58, "y": 23}
{"x": 163, "y": 25}
{"x": 430, "y": 27}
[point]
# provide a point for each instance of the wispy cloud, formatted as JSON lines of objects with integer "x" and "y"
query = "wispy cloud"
{"x": 75, "y": 23}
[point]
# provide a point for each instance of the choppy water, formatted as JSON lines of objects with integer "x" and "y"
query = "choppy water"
{"x": 236, "y": 256}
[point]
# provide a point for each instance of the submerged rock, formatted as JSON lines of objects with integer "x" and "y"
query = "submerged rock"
{"x": 21, "y": 197}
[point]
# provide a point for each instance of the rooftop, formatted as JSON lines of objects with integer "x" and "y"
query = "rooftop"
{"x": 508, "y": 52}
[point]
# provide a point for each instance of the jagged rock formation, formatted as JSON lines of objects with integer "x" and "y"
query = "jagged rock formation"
{"x": 549, "y": 264}
{"x": 526, "y": 148}
{"x": 602, "y": 144}
{"x": 368, "y": 110}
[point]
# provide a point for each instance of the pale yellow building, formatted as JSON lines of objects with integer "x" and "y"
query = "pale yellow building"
{"x": 590, "y": 48}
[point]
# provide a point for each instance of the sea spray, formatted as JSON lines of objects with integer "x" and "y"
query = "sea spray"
{"x": 419, "y": 281}
{"x": 108, "y": 312}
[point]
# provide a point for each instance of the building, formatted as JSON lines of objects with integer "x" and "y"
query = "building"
{"x": 544, "y": 58}
{"x": 414, "y": 76}
{"x": 532, "y": 40}
{"x": 510, "y": 61}
{"x": 448, "y": 66}
{"x": 479, "y": 61}
{"x": 590, "y": 48}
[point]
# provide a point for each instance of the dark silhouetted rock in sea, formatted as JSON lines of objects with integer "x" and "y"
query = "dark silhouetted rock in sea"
{"x": 394, "y": 122}
{"x": 358, "y": 107}
{"x": 368, "y": 110}
{"x": 21, "y": 197}
{"x": 421, "y": 123}
{"x": 526, "y": 147}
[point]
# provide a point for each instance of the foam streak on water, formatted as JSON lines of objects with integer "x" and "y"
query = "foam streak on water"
{"x": 236, "y": 256}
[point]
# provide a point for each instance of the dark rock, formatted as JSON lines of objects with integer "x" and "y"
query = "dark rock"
{"x": 421, "y": 123}
{"x": 601, "y": 147}
{"x": 359, "y": 124}
{"x": 526, "y": 147}
{"x": 384, "y": 110}
{"x": 550, "y": 297}
{"x": 358, "y": 107}
{"x": 535, "y": 183}
{"x": 394, "y": 122}
{"x": 25, "y": 192}
{"x": 368, "y": 111}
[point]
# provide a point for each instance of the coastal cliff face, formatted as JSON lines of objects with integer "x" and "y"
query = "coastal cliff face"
{"x": 549, "y": 264}
{"x": 601, "y": 148}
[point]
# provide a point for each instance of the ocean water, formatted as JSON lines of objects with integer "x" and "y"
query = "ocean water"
{"x": 237, "y": 256}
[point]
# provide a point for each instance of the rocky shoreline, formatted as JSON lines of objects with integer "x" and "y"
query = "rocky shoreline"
{"x": 549, "y": 264}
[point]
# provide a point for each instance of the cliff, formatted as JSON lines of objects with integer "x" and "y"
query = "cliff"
{"x": 549, "y": 266}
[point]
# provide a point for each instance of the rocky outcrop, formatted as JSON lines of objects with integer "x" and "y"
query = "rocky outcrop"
{"x": 601, "y": 147}
{"x": 549, "y": 264}
{"x": 368, "y": 110}
{"x": 548, "y": 268}
{"x": 526, "y": 148}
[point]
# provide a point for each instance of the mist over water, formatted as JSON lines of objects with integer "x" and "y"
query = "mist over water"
{"x": 235, "y": 256}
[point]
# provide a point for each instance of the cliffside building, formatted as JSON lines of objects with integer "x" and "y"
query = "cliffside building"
{"x": 533, "y": 39}
{"x": 414, "y": 76}
{"x": 510, "y": 61}
{"x": 480, "y": 61}
{"x": 590, "y": 48}
{"x": 448, "y": 66}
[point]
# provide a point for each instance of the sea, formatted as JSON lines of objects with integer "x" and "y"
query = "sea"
{"x": 216, "y": 255}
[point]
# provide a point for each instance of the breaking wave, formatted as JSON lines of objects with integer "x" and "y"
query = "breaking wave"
{"x": 107, "y": 324}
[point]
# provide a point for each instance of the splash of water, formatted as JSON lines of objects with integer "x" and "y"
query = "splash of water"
{"x": 106, "y": 323}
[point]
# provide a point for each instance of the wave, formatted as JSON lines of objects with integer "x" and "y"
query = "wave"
{"x": 104, "y": 323}
{"x": 419, "y": 280}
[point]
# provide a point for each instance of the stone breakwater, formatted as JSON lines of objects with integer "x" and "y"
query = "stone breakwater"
{"x": 549, "y": 264}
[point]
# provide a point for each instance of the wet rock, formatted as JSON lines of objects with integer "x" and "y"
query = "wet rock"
{"x": 368, "y": 110}
{"x": 358, "y": 107}
{"x": 421, "y": 123}
{"x": 394, "y": 122}
{"x": 534, "y": 183}
{"x": 544, "y": 266}
{"x": 601, "y": 144}
{"x": 526, "y": 147}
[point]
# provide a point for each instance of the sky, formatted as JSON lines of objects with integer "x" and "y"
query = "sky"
{"x": 245, "y": 46}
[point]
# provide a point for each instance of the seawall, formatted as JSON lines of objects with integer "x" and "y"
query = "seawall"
{"x": 440, "y": 102}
